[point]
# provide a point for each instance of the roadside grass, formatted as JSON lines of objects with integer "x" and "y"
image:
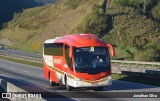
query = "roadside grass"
{"x": 122, "y": 54}
{"x": 137, "y": 79}
{"x": 22, "y": 61}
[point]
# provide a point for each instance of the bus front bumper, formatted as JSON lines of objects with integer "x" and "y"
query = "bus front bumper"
{"x": 87, "y": 83}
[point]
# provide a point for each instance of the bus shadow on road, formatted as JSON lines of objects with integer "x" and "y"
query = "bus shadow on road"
{"x": 62, "y": 88}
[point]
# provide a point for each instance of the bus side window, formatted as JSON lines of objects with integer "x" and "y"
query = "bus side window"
{"x": 68, "y": 59}
{"x": 55, "y": 49}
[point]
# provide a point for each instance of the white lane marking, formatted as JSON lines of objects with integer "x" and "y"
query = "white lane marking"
{"x": 39, "y": 86}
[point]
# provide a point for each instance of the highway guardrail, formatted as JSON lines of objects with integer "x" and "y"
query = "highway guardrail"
{"x": 20, "y": 57}
{"x": 134, "y": 66}
{"x": 118, "y": 66}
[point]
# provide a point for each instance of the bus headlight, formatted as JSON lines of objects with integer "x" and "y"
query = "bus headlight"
{"x": 110, "y": 78}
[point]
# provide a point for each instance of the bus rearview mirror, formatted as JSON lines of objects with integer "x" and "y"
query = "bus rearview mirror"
{"x": 111, "y": 48}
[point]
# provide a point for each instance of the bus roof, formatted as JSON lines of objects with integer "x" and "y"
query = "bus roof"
{"x": 52, "y": 40}
{"x": 78, "y": 40}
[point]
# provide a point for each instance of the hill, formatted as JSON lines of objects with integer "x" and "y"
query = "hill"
{"x": 35, "y": 25}
{"x": 136, "y": 30}
{"x": 9, "y": 7}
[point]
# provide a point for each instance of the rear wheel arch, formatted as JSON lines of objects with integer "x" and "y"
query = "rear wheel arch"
{"x": 68, "y": 88}
{"x": 49, "y": 74}
{"x": 65, "y": 78}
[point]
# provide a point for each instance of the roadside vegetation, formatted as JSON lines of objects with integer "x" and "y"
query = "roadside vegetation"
{"x": 136, "y": 29}
{"x": 9, "y": 7}
{"x": 95, "y": 22}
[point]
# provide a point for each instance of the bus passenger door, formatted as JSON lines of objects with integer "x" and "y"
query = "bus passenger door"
{"x": 68, "y": 61}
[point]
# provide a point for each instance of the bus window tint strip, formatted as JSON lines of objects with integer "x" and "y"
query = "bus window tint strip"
{"x": 53, "y": 49}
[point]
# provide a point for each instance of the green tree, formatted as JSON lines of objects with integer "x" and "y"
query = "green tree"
{"x": 142, "y": 5}
{"x": 156, "y": 11}
{"x": 95, "y": 22}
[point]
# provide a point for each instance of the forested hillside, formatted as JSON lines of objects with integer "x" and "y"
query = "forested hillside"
{"x": 136, "y": 29}
{"x": 150, "y": 8}
{"x": 35, "y": 25}
{"x": 9, "y": 7}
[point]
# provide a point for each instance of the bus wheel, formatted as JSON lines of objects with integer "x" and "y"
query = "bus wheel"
{"x": 68, "y": 88}
{"x": 51, "y": 82}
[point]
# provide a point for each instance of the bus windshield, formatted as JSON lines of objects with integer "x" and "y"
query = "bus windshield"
{"x": 91, "y": 60}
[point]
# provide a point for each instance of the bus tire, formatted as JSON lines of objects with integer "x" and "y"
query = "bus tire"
{"x": 68, "y": 88}
{"x": 51, "y": 82}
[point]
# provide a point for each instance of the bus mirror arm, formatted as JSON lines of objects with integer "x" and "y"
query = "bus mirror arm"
{"x": 71, "y": 52}
{"x": 111, "y": 48}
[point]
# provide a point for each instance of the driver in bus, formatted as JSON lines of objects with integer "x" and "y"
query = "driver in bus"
{"x": 96, "y": 61}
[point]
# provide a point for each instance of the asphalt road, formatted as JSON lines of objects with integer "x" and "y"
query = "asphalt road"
{"x": 16, "y": 52}
{"x": 33, "y": 79}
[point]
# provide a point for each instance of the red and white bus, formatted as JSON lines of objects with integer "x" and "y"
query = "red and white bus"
{"x": 78, "y": 60}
